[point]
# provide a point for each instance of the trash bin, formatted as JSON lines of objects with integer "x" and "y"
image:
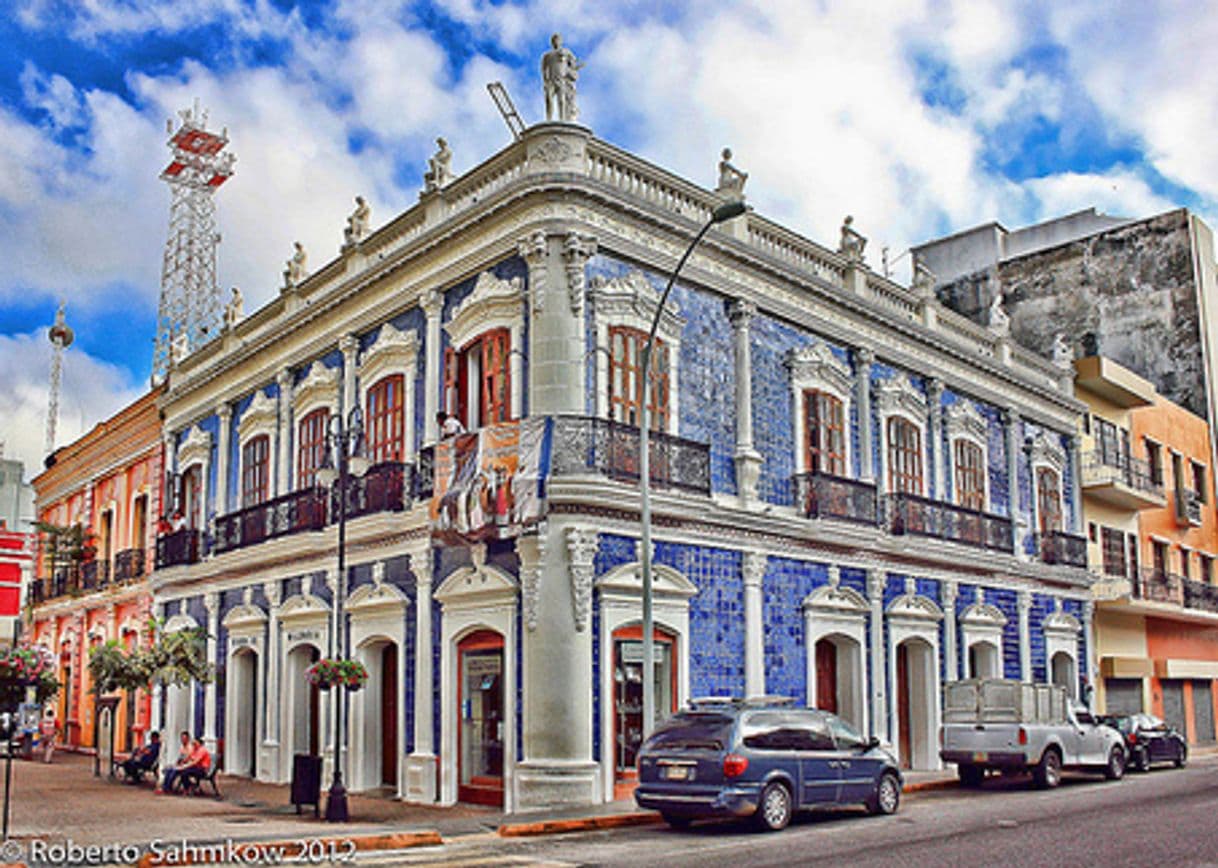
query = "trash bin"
{"x": 306, "y": 782}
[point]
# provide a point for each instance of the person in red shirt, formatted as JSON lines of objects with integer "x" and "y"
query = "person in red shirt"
{"x": 197, "y": 766}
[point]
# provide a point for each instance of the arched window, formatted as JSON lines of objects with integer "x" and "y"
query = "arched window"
{"x": 477, "y": 382}
{"x": 384, "y": 420}
{"x": 1048, "y": 499}
{"x": 312, "y": 451}
{"x": 824, "y": 433}
{"x": 970, "y": 475}
{"x": 904, "y": 456}
{"x": 255, "y": 470}
{"x": 625, "y": 380}
{"x": 192, "y": 496}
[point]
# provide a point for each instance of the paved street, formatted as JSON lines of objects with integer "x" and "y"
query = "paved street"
{"x": 1164, "y": 818}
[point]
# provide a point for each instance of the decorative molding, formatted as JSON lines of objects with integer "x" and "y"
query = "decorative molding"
{"x": 260, "y": 417}
{"x": 964, "y": 420}
{"x": 898, "y": 395}
{"x": 376, "y": 599}
{"x": 1047, "y": 450}
{"x": 319, "y": 388}
{"x": 581, "y": 549}
{"x": 1061, "y": 624}
{"x": 180, "y": 621}
{"x": 492, "y": 302}
{"x": 552, "y": 152}
{"x": 246, "y": 616}
{"x": 740, "y": 313}
{"x": 816, "y": 367}
{"x": 532, "y": 249}
{"x": 753, "y": 567}
{"x": 195, "y": 449}
{"x": 303, "y": 606}
{"x": 531, "y": 552}
{"x": 983, "y": 615}
{"x": 432, "y": 303}
{"x": 836, "y": 600}
{"x": 393, "y": 351}
{"x": 914, "y": 607}
{"x": 627, "y": 580}
{"x": 576, "y": 251}
{"x": 632, "y": 300}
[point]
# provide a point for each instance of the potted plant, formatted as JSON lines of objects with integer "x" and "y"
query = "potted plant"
{"x": 328, "y": 672}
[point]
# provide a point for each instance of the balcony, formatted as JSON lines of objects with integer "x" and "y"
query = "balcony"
{"x": 1157, "y": 586}
{"x": 94, "y": 575}
{"x": 1058, "y": 547}
{"x": 582, "y": 444}
{"x": 178, "y": 548}
{"x": 129, "y": 565}
{"x": 1120, "y": 481}
{"x": 300, "y": 511}
{"x": 37, "y": 591}
{"x": 920, "y": 516}
{"x": 822, "y": 495}
{"x": 1188, "y": 508}
{"x": 1200, "y": 596}
{"x": 386, "y": 487}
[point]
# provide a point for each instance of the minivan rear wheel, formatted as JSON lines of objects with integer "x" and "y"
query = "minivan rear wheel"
{"x": 774, "y": 808}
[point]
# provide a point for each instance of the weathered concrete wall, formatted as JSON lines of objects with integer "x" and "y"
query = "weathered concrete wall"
{"x": 1131, "y": 287}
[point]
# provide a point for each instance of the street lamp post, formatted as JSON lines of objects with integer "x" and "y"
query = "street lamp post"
{"x": 346, "y": 445}
{"x": 726, "y": 211}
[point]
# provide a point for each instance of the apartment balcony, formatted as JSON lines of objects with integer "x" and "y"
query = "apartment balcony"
{"x": 1156, "y": 586}
{"x": 920, "y": 516}
{"x": 1188, "y": 508}
{"x": 300, "y": 511}
{"x": 129, "y": 565}
{"x": 178, "y": 548}
{"x": 1058, "y": 547}
{"x": 386, "y": 487}
{"x": 1200, "y": 596}
{"x": 1121, "y": 482}
{"x": 583, "y": 444}
{"x": 94, "y": 575}
{"x": 38, "y": 591}
{"x": 823, "y": 495}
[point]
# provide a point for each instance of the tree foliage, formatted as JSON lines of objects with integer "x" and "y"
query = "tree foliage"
{"x": 177, "y": 657}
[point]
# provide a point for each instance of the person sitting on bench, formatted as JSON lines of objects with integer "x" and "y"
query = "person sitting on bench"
{"x": 196, "y": 767}
{"x": 172, "y": 772}
{"x": 144, "y": 759}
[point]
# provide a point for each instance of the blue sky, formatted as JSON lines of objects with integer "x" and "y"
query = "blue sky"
{"x": 917, "y": 117}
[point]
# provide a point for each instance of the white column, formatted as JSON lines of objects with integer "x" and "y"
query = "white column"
{"x": 421, "y": 763}
{"x": 949, "y": 630}
{"x": 225, "y": 414}
{"x": 348, "y": 345}
{"x": 1025, "y": 637}
{"x": 879, "y": 706}
{"x": 1011, "y": 421}
{"x": 1089, "y": 658}
{"x": 284, "y": 447}
{"x": 1076, "y": 486}
{"x": 157, "y": 721}
{"x": 268, "y": 767}
{"x": 211, "y": 602}
{"x": 863, "y": 359}
{"x": 171, "y": 457}
{"x": 748, "y": 459}
{"x": 753, "y": 566}
{"x": 934, "y": 396}
{"x": 432, "y": 303}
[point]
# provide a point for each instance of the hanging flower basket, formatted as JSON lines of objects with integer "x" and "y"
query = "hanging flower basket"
{"x": 21, "y": 667}
{"x": 327, "y": 673}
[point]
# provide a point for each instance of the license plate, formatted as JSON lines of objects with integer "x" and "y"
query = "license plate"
{"x": 676, "y": 773}
{"x": 980, "y": 756}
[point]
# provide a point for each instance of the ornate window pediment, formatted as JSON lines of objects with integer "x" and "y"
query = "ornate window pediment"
{"x": 964, "y": 420}
{"x": 1047, "y": 450}
{"x": 836, "y": 600}
{"x": 476, "y": 584}
{"x": 631, "y": 300}
{"x": 246, "y": 617}
{"x": 375, "y": 599}
{"x": 318, "y": 388}
{"x": 914, "y": 607}
{"x": 493, "y": 303}
{"x": 627, "y": 580}
{"x": 393, "y": 351}
{"x": 900, "y": 396}
{"x": 260, "y": 417}
{"x": 1063, "y": 624}
{"x": 817, "y": 367}
{"x": 983, "y": 615}
{"x": 195, "y": 448}
{"x": 179, "y": 622}
{"x": 303, "y": 606}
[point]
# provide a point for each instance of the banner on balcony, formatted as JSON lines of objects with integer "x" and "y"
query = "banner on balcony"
{"x": 490, "y": 484}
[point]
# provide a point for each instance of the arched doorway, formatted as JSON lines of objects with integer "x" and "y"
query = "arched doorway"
{"x": 304, "y": 719}
{"x": 984, "y": 660}
{"x": 1062, "y": 671}
{"x": 628, "y": 693}
{"x": 480, "y": 712}
{"x": 839, "y": 678}
{"x": 242, "y": 747}
{"x": 916, "y": 703}
{"x": 378, "y": 716}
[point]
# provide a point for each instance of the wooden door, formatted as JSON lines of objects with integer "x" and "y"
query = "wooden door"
{"x": 904, "y": 722}
{"x": 826, "y": 676}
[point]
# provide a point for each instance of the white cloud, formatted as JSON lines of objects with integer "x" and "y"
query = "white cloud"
{"x": 1119, "y": 193}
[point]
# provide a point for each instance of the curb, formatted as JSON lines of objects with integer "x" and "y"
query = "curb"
{"x": 273, "y": 852}
{"x": 579, "y": 824}
{"x": 932, "y": 786}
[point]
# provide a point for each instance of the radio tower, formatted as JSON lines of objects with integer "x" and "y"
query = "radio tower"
{"x": 189, "y": 310}
{"x": 61, "y": 337}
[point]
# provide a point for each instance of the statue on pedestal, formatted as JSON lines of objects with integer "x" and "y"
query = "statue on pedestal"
{"x": 559, "y": 72}
{"x": 358, "y": 223}
{"x": 853, "y": 243}
{"x": 923, "y": 283}
{"x": 234, "y": 311}
{"x": 296, "y": 271}
{"x": 1000, "y": 323}
{"x": 1063, "y": 353}
{"x": 439, "y": 168}
{"x": 731, "y": 179}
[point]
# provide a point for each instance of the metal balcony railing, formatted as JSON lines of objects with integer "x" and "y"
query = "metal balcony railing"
{"x": 38, "y": 591}
{"x": 178, "y": 548}
{"x": 583, "y": 444}
{"x": 920, "y": 516}
{"x": 94, "y": 575}
{"x": 1158, "y": 586}
{"x": 129, "y": 565}
{"x": 299, "y": 511}
{"x": 1059, "y": 547}
{"x": 1188, "y": 507}
{"x": 1107, "y": 468}
{"x": 386, "y": 487}
{"x": 823, "y": 495}
{"x": 1199, "y": 595}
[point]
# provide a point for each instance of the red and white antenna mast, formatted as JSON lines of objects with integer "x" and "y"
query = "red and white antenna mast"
{"x": 189, "y": 311}
{"x": 61, "y": 337}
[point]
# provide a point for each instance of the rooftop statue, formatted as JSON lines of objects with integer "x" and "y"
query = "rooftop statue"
{"x": 853, "y": 243}
{"x": 559, "y": 71}
{"x": 234, "y": 311}
{"x": 731, "y": 179}
{"x": 439, "y": 167}
{"x": 358, "y": 223}
{"x": 923, "y": 283}
{"x": 1063, "y": 353}
{"x": 296, "y": 271}
{"x": 1000, "y": 322}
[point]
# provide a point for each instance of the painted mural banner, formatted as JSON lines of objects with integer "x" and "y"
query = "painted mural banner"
{"x": 490, "y": 483}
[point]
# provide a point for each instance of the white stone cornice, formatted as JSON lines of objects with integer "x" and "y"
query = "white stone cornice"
{"x": 493, "y": 302}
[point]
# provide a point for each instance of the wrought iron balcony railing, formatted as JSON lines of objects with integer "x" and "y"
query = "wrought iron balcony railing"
{"x": 920, "y": 516}
{"x": 1188, "y": 507}
{"x": 38, "y": 591}
{"x": 1158, "y": 586}
{"x": 94, "y": 575}
{"x": 129, "y": 565}
{"x": 1059, "y": 547}
{"x": 1199, "y": 595}
{"x": 425, "y": 475}
{"x": 1106, "y": 468}
{"x": 386, "y": 487}
{"x": 583, "y": 444}
{"x": 178, "y": 548}
{"x": 299, "y": 511}
{"x": 823, "y": 495}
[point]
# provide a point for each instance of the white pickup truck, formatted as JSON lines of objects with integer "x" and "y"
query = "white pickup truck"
{"x": 1014, "y": 727}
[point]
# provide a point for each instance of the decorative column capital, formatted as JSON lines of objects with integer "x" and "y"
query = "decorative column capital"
{"x": 211, "y": 602}
{"x": 348, "y": 345}
{"x": 432, "y": 302}
{"x": 864, "y": 358}
{"x": 532, "y": 249}
{"x": 948, "y": 591}
{"x": 752, "y": 567}
{"x": 1088, "y": 610}
{"x": 273, "y": 593}
{"x": 225, "y": 411}
{"x": 934, "y": 391}
{"x": 581, "y": 552}
{"x": 284, "y": 380}
{"x": 741, "y": 313}
{"x": 576, "y": 251}
{"x": 876, "y": 581}
{"x": 1024, "y": 602}
{"x": 420, "y": 565}
{"x": 1010, "y": 416}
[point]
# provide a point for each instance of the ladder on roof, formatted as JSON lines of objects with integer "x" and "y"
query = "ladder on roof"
{"x": 503, "y": 102}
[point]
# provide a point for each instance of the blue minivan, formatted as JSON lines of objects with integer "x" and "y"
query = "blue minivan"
{"x": 761, "y": 759}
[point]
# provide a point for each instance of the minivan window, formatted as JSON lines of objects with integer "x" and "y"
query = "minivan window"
{"x": 847, "y": 737}
{"x": 693, "y": 730}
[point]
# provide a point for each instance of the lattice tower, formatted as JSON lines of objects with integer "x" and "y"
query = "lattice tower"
{"x": 60, "y": 336}
{"x": 190, "y": 310}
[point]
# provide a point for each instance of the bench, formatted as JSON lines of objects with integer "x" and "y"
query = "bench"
{"x": 137, "y": 777}
{"x": 193, "y": 785}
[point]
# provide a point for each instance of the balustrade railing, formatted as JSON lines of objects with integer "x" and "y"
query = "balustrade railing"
{"x": 178, "y": 548}
{"x": 386, "y": 487}
{"x": 129, "y": 564}
{"x": 583, "y": 444}
{"x": 1199, "y": 595}
{"x": 1059, "y": 547}
{"x": 823, "y": 495}
{"x": 1107, "y": 468}
{"x": 299, "y": 511}
{"x": 1158, "y": 586}
{"x": 920, "y": 516}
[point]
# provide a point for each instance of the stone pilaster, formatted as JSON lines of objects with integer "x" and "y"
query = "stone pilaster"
{"x": 753, "y": 565}
{"x": 432, "y": 303}
{"x": 1089, "y": 658}
{"x": 748, "y": 459}
{"x": 158, "y": 692}
{"x": 211, "y": 602}
{"x": 223, "y": 456}
{"x": 1076, "y": 485}
{"x": 268, "y": 766}
{"x": 863, "y": 360}
{"x": 421, "y": 762}
{"x": 169, "y": 444}
{"x": 879, "y": 704}
{"x": 556, "y": 334}
{"x": 1013, "y": 428}
{"x": 950, "y": 654}
{"x": 576, "y": 251}
{"x": 283, "y": 449}
{"x": 934, "y": 397}
{"x": 348, "y": 345}
{"x": 1024, "y": 605}
{"x": 581, "y": 552}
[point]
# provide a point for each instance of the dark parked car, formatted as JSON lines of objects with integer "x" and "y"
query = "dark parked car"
{"x": 1149, "y": 740}
{"x": 763, "y": 760}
